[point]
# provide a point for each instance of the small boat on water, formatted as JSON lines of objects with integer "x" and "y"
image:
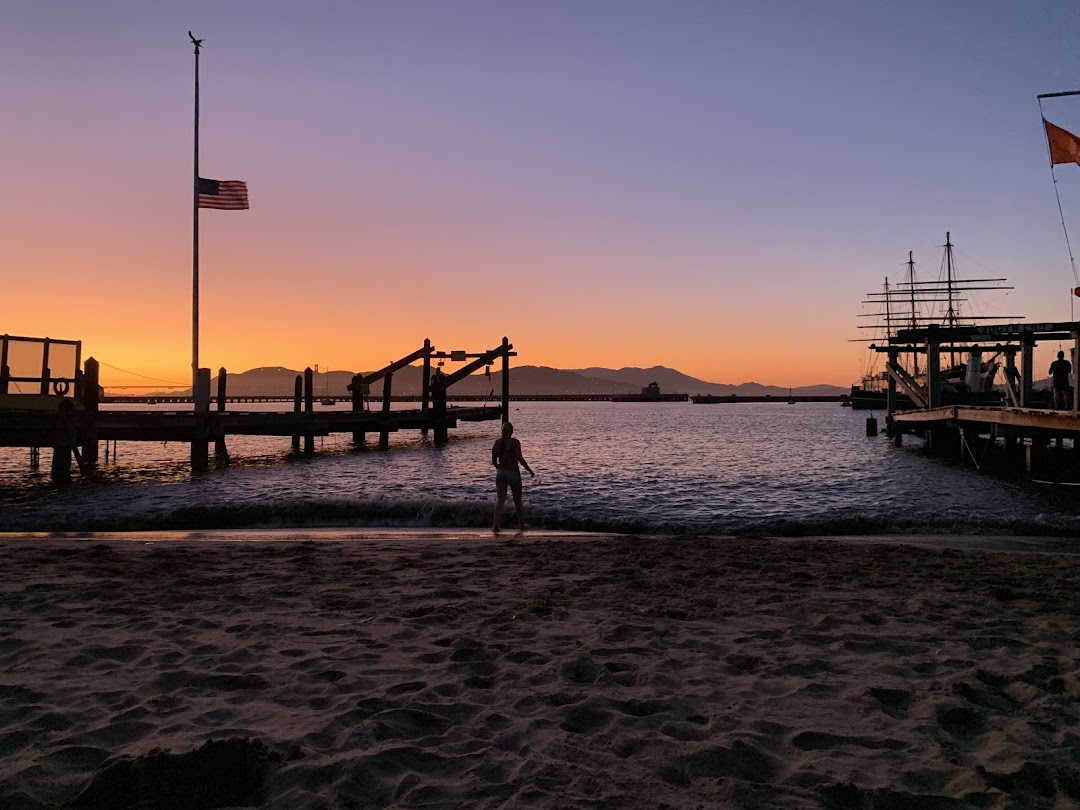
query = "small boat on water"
{"x": 326, "y": 400}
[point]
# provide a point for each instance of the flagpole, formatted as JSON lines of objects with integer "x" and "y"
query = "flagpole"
{"x": 195, "y": 232}
{"x": 1053, "y": 178}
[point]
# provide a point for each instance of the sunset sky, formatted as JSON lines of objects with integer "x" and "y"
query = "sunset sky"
{"x": 712, "y": 186}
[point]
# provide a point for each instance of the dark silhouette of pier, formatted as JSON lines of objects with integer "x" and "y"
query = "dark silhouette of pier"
{"x": 65, "y": 413}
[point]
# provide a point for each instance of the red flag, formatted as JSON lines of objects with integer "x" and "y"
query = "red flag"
{"x": 1064, "y": 146}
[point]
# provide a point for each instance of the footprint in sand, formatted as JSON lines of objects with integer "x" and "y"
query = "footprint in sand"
{"x": 961, "y": 721}
{"x": 585, "y": 718}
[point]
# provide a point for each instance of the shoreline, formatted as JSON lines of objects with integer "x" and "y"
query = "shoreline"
{"x": 403, "y": 668}
{"x": 1034, "y": 544}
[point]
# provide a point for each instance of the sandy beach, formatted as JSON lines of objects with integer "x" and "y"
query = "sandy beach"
{"x": 440, "y": 669}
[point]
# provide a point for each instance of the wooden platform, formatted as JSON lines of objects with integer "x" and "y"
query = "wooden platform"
{"x": 37, "y": 428}
{"x": 1018, "y": 419}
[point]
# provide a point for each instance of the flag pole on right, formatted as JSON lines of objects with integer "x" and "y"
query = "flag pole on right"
{"x": 1061, "y": 147}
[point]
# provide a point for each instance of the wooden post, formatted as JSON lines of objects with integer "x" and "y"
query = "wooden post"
{"x": 298, "y": 392}
{"x": 90, "y": 402}
{"x": 1027, "y": 371}
{"x": 222, "y": 377}
{"x": 63, "y": 442}
{"x": 1034, "y": 453}
{"x": 933, "y": 368}
{"x": 221, "y": 452}
{"x": 890, "y": 395}
{"x": 357, "y": 389}
{"x": 200, "y": 450}
{"x": 425, "y": 389}
{"x": 505, "y": 380}
{"x": 309, "y": 412}
{"x": 45, "y": 373}
{"x": 5, "y": 372}
{"x": 384, "y": 422}
{"x": 438, "y": 404}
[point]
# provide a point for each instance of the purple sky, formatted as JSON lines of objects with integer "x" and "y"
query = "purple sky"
{"x": 710, "y": 186}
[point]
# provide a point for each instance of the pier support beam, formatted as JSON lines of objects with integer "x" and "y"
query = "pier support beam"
{"x": 1027, "y": 371}
{"x": 358, "y": 388}
{"x": 384, "y": 422}
{"x": 90, "y": 401}
{"x": 63, "y": 443}
{"x": 933, "y": 369}
{"x": 425, "y": 391}
{"x": 298, "y": 395}
{"x": 45, "y": 372}
{"x": 506, "y": 380}
{"x": 890, "y": 395}
{"x": 5, "y": 372}
{"x": 1034, "y": 453}
{"x": 438, "y": 404}
{"x": 221, "y": 452}
{"x": 200, "y": 450}
{"x": 309, "y": 411}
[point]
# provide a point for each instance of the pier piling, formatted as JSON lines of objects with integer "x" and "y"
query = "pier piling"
{"x": 221, "y": 452}
{"x": 384, "y": 424}
{"x": 298, "y": 393}
{"x": 200, "y": 449}
{"x": 309, "y": 412}
{"x": 358, "y": 388}
{"x": 505, "y": 379}
{"x": 90, "y": 392}
{"x": 425, "y": 385}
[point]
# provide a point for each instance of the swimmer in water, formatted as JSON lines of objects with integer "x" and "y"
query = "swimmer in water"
{"x": 505, "y": 457}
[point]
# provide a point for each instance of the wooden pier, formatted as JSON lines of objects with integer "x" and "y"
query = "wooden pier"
{"x": 74, "y": 425}
{"x": 971, "y": 433}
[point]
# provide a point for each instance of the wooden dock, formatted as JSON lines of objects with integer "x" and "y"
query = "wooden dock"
{"x": 74, "y": 425}
{"x": 973, "y": 433}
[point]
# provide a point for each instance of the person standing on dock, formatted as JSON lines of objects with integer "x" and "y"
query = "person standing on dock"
{"x": 505, "y": 457}
{"x": 1060, "y": 370}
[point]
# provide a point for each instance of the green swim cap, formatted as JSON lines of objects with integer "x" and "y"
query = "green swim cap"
{"x": 507, "y": 428}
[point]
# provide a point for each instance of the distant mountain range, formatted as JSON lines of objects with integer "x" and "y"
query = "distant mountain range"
{"x": 276, "y": 381}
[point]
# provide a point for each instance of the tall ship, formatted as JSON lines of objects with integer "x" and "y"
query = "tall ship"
{"x": 968, "y": 379}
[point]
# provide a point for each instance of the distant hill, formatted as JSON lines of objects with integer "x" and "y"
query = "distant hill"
{"x": 672, "y": 381}
{"x": 279, "y": 381}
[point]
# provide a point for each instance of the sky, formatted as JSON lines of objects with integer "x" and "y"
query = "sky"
{"x": 710, "y": 186}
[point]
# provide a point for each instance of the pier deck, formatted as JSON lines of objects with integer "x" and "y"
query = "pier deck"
{"x": 38, "y": 428}
{"x": 1017, "y": 419}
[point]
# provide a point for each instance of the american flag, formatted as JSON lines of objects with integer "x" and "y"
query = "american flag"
{"x": 228, "y": 195}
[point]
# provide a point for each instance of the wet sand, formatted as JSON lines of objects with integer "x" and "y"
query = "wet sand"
{"x": 446, "y": 669}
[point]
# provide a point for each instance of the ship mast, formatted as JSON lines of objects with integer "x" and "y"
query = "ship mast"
{"x": 914, "y": 311}
{"x": 950, "y": 315}
{"x": 888, "y": 313}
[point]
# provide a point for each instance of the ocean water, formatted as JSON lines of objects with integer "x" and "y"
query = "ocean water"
{"x": 674, "y": 468}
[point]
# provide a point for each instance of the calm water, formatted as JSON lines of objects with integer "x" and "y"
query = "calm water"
{"x": 678, "y": 467}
